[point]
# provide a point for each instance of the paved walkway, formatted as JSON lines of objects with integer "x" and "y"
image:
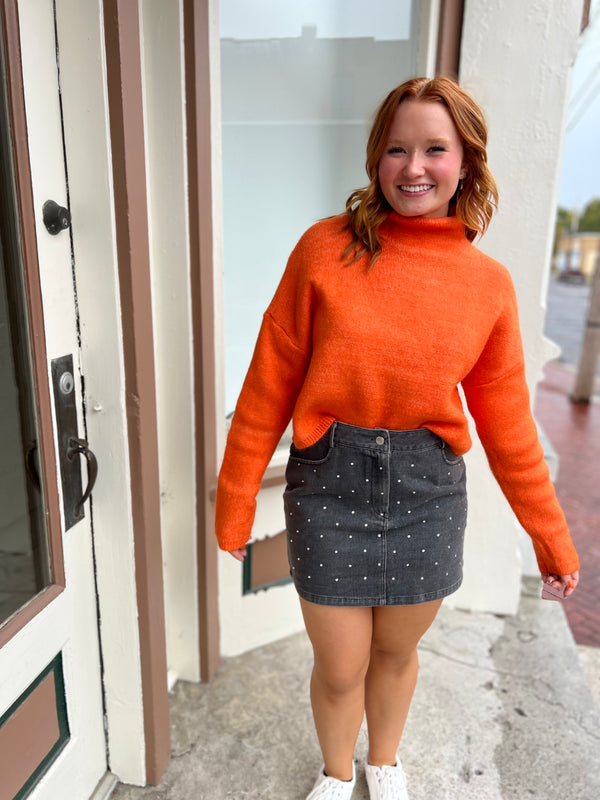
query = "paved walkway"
{"x": 502, "y": 711}
{"x": 574, "y": 431}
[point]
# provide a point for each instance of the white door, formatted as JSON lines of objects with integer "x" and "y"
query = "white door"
{"x": 52, "y": 622}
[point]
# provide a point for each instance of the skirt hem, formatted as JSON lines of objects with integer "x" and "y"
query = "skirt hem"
{"x": 372, "y": 602}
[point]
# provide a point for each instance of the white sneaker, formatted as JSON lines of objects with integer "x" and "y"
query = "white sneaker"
{"x": 386, "y": 783}
{"x": 327, "y": 788}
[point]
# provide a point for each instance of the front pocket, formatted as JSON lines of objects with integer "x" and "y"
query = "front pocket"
{"x": 316, "y": 453}
{"x": 451, "y": 468}
{"x": 450, "y": 456}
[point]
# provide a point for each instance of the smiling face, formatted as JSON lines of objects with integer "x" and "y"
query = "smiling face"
{"x": 423, "y": 160}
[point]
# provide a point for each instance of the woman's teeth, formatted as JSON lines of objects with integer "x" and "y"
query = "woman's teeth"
{"x": 420, "y": 188}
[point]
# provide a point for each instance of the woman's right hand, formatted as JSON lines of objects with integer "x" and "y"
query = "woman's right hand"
{"x": 569, "y": 582}
{"x": 239, "y": 554}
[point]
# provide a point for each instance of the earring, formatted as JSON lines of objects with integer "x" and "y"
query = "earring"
{"x": 460, "y": 185}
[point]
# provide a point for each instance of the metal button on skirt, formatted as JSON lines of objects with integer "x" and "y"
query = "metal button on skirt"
{"x": 375, "y": 517}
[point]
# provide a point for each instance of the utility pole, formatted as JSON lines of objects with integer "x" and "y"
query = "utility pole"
{"x": 584, "y": 384}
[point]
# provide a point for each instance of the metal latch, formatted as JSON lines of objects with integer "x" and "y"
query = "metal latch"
{"x": 70, "y": 446}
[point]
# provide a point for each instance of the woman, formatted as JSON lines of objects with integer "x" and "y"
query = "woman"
{"x": 381, "y": 313}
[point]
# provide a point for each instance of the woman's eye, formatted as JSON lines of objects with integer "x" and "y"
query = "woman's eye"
{"x": 395, "y": 150}
{"x": 437, "y": 148}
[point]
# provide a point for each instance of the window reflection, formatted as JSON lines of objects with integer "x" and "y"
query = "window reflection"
{"x": 300, "y": 82}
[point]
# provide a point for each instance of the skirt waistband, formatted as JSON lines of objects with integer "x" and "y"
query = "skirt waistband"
{"x": 383, "y": 440}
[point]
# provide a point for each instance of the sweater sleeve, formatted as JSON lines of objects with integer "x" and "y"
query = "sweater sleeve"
{"x": 498, "y": 399}
{"x": 266, "y": 402}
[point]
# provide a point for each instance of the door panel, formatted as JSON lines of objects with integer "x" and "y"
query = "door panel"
{"x": 67, "y": 625}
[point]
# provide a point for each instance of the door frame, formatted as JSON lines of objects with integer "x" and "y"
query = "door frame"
{"x": 203, "y": 110}
{"x": 127, "y": 136}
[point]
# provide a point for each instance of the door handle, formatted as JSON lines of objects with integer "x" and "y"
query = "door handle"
{"x": 31, "y": 466}
{"x": 69, "y": 443}
{"x": 81, "y": 447}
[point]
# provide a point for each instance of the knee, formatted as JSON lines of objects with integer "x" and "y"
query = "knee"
{"x": 394, "y": 659}
{"x": 340, "y": 678}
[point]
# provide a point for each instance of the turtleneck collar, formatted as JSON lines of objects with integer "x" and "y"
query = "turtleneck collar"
{"x": 443, "y": 228}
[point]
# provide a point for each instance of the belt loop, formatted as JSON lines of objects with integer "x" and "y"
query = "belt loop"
{"x": 332, "y": 434}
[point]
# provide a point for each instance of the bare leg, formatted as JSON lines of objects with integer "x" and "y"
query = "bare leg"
{"x": 392, "y": 674}
{"x": 341, "y": 640}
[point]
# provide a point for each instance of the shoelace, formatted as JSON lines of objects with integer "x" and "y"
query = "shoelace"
{"x": 392, "y": 783}
{"x": 330, "y": 789}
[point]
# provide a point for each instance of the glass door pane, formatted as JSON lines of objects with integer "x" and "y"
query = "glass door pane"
{"x": 300, "y": 83}
{"x": 24, "y": 562}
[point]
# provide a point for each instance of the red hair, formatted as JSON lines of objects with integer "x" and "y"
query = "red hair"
{"x": 476, "y": 199}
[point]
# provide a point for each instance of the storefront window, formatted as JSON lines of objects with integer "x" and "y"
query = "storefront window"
{"x": 300, "y": 83}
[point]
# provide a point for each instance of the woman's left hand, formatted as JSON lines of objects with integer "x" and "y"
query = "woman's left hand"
{"x": 568, "y": 581}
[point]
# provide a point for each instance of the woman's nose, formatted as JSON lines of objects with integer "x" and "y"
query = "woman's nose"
{"x": 414, "y": 166}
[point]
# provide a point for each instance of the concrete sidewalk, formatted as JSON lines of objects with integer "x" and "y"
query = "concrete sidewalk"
{"x": 502, "y": 711}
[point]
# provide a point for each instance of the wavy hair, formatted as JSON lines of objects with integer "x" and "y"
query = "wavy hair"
{"x": 477, "y": 196}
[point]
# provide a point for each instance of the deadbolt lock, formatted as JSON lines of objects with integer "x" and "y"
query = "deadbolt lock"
{"x": 56, "y": 218}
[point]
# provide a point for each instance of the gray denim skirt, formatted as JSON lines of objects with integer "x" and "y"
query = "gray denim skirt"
{"x": 375, "y": 517}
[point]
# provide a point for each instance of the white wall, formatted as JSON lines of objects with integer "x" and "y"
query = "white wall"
{"x": 254, "y": 619}
{"x": 516, "y": 61}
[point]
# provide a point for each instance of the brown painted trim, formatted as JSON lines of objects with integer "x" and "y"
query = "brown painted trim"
{"x": 26, "y": 214}
{"x": 269, "y": 564}
{"x": 585, "y": 14}
{"x": 34, "y": 722}
{"x": 124, "y": 79}
{"x": 33, "y": 732}
{"x": 449, "y": 38}
{"x": 199, "y": 144}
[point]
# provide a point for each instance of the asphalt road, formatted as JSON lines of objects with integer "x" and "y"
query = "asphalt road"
{"x": 566, "y": 316}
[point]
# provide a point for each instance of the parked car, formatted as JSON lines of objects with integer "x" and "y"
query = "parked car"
{"x": 571, "y": 276}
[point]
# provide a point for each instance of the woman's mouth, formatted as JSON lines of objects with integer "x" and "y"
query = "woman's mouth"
{"x": 416, "y": 188}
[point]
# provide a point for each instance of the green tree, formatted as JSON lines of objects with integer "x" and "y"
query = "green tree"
{"x": 590, "y": 219}
{"x": 564, "y": 224}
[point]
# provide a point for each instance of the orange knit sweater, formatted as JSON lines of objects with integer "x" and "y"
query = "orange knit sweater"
{"x": 387, "y": 347}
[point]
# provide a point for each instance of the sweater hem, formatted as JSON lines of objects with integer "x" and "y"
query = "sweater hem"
{"x": 232, "y": 544}
{"x": 321, "y": 429}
